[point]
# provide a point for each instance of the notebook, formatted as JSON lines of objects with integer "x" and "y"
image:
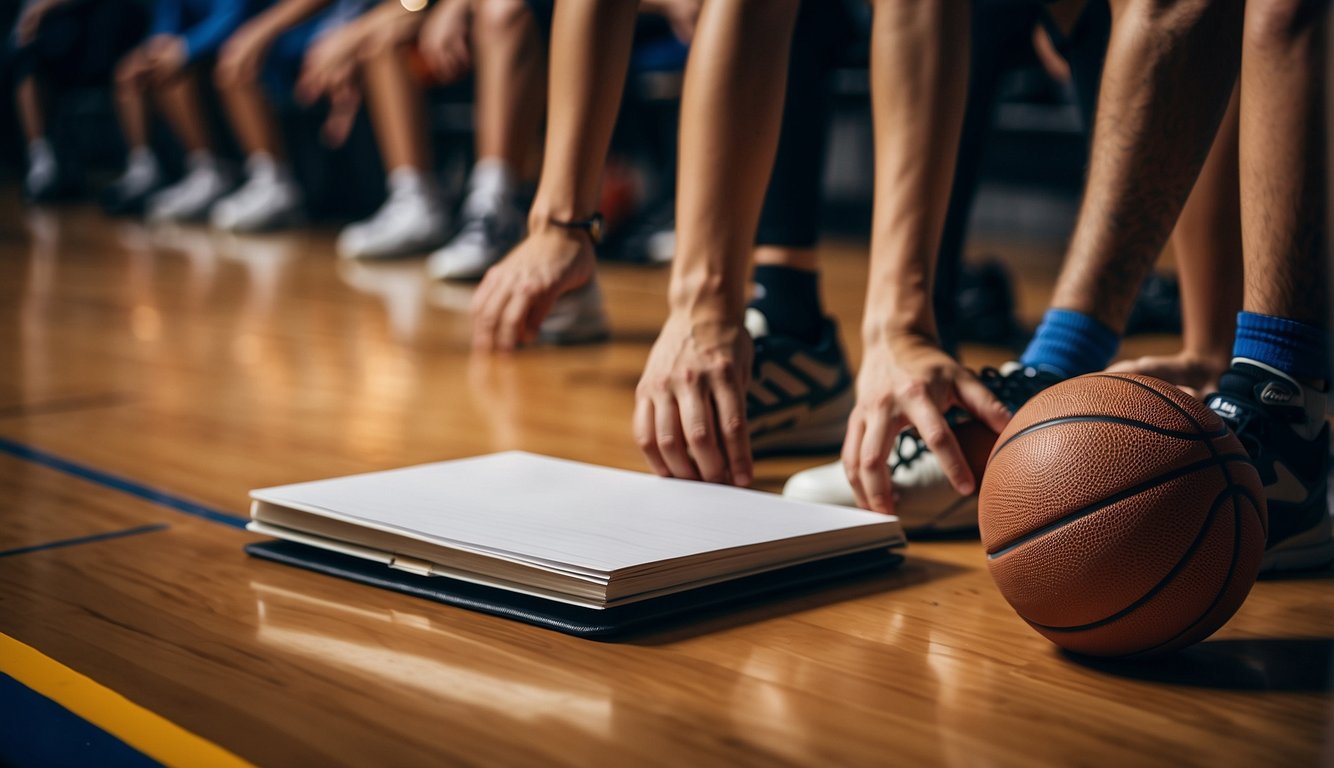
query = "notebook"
{"x": 563, "y": 538}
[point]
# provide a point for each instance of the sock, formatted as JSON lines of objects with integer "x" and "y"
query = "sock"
{"x": 1070, "y": 343}
{"x": 790, "y": 300}
{"x": 201, "y": 160}
{"x": 490, "y": 185}
{"x": 1297, "y": 349}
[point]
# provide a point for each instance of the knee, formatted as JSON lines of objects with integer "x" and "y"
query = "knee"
{"x": 127, "y": 70}
{"x": 1270, "y": 22}
{"x": 500, "y": 16}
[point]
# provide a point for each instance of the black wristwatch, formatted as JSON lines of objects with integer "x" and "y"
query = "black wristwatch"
{"x": 592, "y": 225}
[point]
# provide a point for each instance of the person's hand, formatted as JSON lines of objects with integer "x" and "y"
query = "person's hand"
{"x": 389, "y": 31}
{"x": 443, "y": 41}
{"x": 165, "y": 56}
{"x": 908, "y": 381}
{"x": 680, "y": 15}
{"x": 690, "y": 405}
{"x": 242, "y": 56}
{"x": 517, "y": 293}
{"x": 329, "y": 65}
{"x": 1193, "y": 373}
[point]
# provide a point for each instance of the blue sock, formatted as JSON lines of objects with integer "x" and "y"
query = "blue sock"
{"x": 1070, "y": 343}
{"x": 1297, "y": 349}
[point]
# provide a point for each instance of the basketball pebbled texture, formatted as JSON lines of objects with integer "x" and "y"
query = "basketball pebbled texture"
{"x": 1121, "y": 517}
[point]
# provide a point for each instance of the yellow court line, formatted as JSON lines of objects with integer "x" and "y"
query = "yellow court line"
{"x": 151, "y": 734}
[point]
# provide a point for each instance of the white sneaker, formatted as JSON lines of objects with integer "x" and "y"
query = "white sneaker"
{"x": 268, "y": 200}
{"x": 43, "y": 172}
{"x": 412, "y": 220}
{"x": 492, "y": 225}
{"x": 191, "y": 198}
{"x": 578, "y": 317}
{"x": 925, "y": 502}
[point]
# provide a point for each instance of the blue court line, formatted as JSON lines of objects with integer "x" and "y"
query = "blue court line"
{"x": 119, "y": 483}
{"x": 85, "y": 539}
{"x": 38, "y": 731}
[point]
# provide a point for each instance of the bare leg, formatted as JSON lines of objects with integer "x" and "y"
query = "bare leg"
{"x": 1164, "y": 89}
{"x": 511, "y": 83}
{"x": 180, "y": 104}
{"x": 397, "y": 112}
{"x": 252, "y": 118}
{"x": 32, "y": 111}
{"x": 1282, "y": 159}
{"x": 131, "y": 104}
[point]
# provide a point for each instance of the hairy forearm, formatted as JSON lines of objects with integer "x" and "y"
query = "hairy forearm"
{"x": 731, "y": 113}
{"x": 1169, "y": 70}
{"x": 590, "y": 52}
{"x": 919, "y": 80}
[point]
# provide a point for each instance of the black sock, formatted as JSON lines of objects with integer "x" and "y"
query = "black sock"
{"x": 790, "y": 300}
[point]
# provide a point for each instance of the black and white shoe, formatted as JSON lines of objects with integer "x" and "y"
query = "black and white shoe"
{"x": 1282, "y": 425}
{"x": 925, "y": 501}
{"x": 800, "y": 394}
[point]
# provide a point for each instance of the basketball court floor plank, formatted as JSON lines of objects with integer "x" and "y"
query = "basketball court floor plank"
{"x": 159, "y": 375}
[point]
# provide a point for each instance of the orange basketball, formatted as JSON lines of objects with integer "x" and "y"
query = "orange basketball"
{"x": 1121, "y": 517}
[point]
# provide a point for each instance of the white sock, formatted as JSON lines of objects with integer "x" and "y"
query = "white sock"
{"x": 262, "y": 166}
{"x": 406, "y": 179}
{"x": 41, "y": 161}
{"x": 141, "y": 168}
{"x": 491, "y": 175}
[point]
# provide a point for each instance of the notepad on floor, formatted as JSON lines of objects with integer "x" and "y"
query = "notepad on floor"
{"x": 563, "y": 531}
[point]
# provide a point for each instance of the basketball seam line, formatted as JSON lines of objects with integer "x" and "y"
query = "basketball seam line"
{"x": 1234, "y": 490}
{"x": 1237, "y": 490}
{"x": 1130, "y": 492}
{"x": 1098, "y": 418}
{"x": 1162, "y": 583}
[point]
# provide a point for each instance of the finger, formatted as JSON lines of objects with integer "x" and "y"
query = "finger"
{"x": 852, "y": 447}
{"x": 975, "y": 397}
{"x": 646, "y": 434}
{"x": 873, "y": 460}
{"x": 730, "y": 402}
{"x": 487, "y": 306}
{"x": 938, "y": 436}
{"x": 670, "y": 437}
{"x": 510, "y": 331}
{"x": 696, "y": 403}
{"x": 538, "y": 309}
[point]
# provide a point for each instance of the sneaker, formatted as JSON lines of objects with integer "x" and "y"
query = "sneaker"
{"x": 190, "y": 198}
{"x": 269, "y": 199}
{"x": 800, "y": 394}
{"x": 128, "y": 194}
{"x": 925, "y": 502}
{"x": 1282, "y": 425}
{"x": 42, "y": 181}
{"x": 493, "y": 223}
{"x": 578, "y": 317}
{"x": 411, "y": 220}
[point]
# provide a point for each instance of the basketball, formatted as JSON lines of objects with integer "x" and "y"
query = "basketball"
{"x": 1121, "y": 517}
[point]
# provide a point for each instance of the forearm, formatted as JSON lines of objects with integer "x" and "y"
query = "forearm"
{"x": 919, "y": 81}
{"x": 285, "y": 15}
{"x": 730, "y": 117}
{"x": 590, "y": 52}
{"x": 1169, "y": 70}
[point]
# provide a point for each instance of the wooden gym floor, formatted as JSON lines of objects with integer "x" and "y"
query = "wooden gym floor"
{"x": 151, "y": 378}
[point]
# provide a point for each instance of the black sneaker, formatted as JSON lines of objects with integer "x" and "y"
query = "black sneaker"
{"x": 1283, "y": 428}
{"x": 800, "y": 394}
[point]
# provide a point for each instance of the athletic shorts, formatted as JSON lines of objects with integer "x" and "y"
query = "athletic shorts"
{"x": 80, "y": 45}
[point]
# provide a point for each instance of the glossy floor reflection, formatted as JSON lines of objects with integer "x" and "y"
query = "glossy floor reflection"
{"x": 204, "y": 365}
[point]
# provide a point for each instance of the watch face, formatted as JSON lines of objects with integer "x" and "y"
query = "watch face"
{"x": 595, "y": 229}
